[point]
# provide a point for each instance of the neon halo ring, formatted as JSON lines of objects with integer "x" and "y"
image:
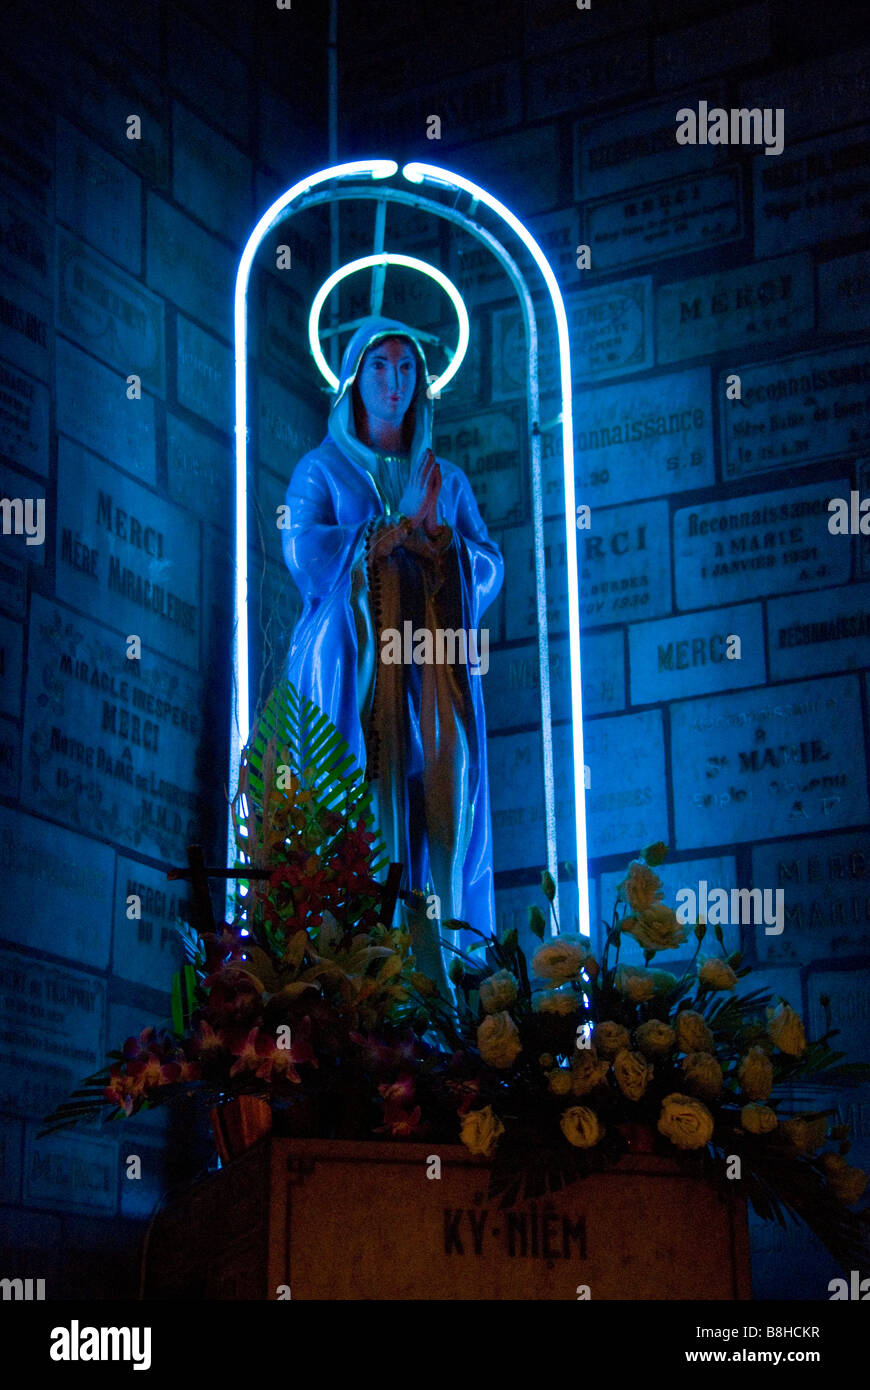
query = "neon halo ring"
{"x": 389, "y": 258}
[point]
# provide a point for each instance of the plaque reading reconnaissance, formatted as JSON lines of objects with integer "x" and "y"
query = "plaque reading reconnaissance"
{"x": 129, "y": 553}
{"x": 110, "y": 744}
{"x": 812, "y": 406}
{"x": 763, "y": 764}
{"x": 767, "y": 543}
{"x": 830, "y": 633}
{"x": 651, "y": 437}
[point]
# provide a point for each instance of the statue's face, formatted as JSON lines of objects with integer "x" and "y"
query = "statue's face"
{"x": 387, "y": 380}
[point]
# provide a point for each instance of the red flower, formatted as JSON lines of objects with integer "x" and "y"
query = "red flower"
{"x": 398, "y": 1092}
{"x": 123, "y": 1090}
{"x": 400, "y": 1123}
{"x": 374, "y": 1054}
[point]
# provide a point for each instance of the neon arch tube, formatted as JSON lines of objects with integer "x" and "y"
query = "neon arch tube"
{"x": 415, "y": 173}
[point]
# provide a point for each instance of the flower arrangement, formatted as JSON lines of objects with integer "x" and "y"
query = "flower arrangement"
{"x": 604, "y": 1058}
{"x": 550, "y": 1068}
{"x": 304, "y": 999}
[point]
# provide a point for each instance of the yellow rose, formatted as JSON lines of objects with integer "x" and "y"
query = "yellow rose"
{"x": 559, "y": 1081}
{"x": 703, "y": 1075}
{"x": 655, "y": 1038}
{"x": 481, "y": 1130}
{"x": 846, "y": 1183}
{"x": 656, "y": 929}
{"x": 555, "y": 1001}
{"x": 755, "y": 1074}
{"x": 633, "y": 1073}
{"x": 758, "y": 1119}
{"x": 685, "y": 1121}
{"x": 581, "y": 1127}
{"x": 635, "y": 984}
{"x": 663, "y": 980}
{"x": 498, "y": 992}
{"x": 642, "y": 888}
{"x": 785, "y": 1030}
{"x": 610, "y": 1038}
{"x": 587, "y": 1071}
{"x": 560, "y": 960}
{"x": 805, "y": 1133}
{"x": 693, "y": 1035}
{"x": 716, "y": 974}
{"x": 499, "y": 1040}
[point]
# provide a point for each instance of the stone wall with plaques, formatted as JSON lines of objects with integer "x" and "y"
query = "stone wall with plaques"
{"x": 721, "y": 399}
{"x": 719, "y": 340}
{"x": 119, "y": 252}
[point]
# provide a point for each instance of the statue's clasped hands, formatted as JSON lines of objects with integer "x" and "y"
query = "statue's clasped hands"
{"x": 419, "y": 501}
{"x": 419, "y": 504}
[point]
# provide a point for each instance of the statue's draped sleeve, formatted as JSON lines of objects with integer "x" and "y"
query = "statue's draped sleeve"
{"x": 320, "y": 551}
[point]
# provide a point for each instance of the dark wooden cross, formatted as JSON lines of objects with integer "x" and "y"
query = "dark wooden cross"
{"x": 199, "y": 873}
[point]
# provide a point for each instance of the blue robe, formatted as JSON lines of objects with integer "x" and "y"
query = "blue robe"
{"x": 333, "y": 499}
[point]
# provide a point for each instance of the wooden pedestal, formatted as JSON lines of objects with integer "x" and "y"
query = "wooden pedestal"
{"x": 338, "y": 1221}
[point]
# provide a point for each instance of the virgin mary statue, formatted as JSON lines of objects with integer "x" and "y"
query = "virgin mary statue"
{"x": 396, "y": 569}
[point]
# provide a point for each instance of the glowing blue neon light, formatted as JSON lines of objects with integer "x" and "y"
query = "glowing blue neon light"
{"x": 418, "y": 173}
{"x": 390, "y": 258}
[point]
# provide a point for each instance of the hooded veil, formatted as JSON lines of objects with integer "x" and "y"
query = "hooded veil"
{"x": 416, "y": 728}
